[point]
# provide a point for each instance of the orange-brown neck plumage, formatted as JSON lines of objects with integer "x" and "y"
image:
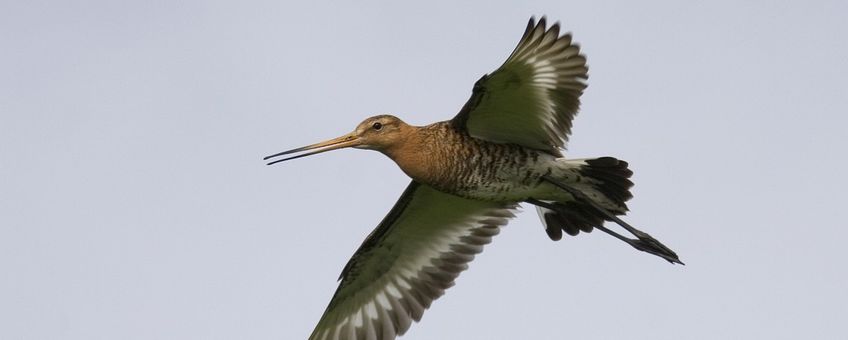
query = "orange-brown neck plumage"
{"x": 414, "y": 152}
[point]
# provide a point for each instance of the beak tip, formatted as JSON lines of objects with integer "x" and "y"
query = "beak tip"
{"x": 333, "y": 144}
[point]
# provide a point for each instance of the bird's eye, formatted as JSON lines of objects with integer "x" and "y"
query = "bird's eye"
{"x": 377, "y": 126}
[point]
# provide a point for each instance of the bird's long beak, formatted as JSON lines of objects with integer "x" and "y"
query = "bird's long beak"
{"x": 345, "y": 141}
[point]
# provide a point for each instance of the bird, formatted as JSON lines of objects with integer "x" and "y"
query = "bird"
{"x": 469, "y": 175}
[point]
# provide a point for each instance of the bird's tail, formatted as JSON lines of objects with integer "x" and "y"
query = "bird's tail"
{"x": 605, "y": 180}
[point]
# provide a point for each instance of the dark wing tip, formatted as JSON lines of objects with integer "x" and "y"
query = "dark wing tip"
{"x": 530, "y": 25}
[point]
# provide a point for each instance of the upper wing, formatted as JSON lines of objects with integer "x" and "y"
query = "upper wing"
{"x": 408, "y": 261}
{"x": 533, "y": 97}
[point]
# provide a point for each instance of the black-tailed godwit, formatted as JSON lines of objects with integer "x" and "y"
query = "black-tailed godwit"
{"x": 469, "y": 175}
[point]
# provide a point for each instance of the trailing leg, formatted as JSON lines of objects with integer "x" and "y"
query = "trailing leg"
{"x": 644, "y": 241}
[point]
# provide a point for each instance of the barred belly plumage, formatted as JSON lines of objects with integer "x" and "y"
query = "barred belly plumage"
{"x": 485, "y": 170}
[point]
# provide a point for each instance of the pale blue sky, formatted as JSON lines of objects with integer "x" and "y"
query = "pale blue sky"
{"x": 134, "y": 203}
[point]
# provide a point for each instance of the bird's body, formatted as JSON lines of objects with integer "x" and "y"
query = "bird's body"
{"x": 469, "y": 174}
{"x": 453, "y": 162}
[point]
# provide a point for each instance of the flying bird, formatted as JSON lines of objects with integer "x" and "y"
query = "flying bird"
{"x": 469, "y": 174}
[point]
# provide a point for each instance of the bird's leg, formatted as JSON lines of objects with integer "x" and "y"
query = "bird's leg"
{"x": 644, "y": 241}
{"x": 633, "y": 242}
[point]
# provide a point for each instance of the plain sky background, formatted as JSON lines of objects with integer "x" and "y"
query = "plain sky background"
{"x": 134, "y": 203}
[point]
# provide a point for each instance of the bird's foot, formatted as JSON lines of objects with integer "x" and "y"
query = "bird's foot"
{"x": 650, "y": 245}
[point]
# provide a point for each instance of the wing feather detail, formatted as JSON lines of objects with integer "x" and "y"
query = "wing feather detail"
{"x": 407, "y": 262}
{"x": 533, "y": 97}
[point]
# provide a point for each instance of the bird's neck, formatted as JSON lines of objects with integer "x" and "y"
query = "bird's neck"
{"x": 421, "y": 151}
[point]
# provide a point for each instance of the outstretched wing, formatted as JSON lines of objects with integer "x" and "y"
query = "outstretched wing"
{"x": 531, "y": 99}
{"x": 408, "y": 261}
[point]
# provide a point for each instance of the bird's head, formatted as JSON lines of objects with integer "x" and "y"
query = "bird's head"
{"x": 375, "y": 133}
